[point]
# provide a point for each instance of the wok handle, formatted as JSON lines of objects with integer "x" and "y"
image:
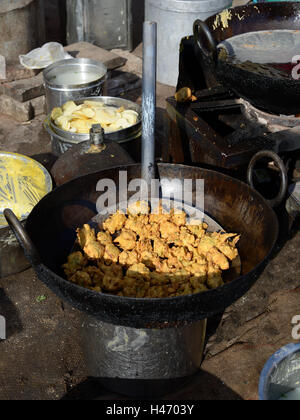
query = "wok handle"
{"x": 203, "y": 37}
{"x": 29, "y": 249}
{"x": 283, "y": 174}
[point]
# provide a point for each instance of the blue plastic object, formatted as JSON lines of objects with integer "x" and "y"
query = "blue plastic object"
{"x": 281, "y": 373}
{"x": 272, "y": 1}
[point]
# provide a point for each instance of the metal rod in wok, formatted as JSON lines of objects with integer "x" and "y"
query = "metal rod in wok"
{"x": 149, "y": 101}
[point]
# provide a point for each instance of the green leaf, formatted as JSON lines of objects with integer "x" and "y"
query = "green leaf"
{"x": 41, "y": 298}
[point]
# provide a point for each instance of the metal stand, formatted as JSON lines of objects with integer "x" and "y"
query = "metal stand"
{"x": 142, "y": 362}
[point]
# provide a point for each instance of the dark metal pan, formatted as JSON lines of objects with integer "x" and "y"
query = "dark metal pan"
{"x": 263, "y": 86}
{"x": 50, "y": 234}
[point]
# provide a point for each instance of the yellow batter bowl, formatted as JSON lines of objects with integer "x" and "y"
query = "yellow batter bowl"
{"x": 23, "y": 183}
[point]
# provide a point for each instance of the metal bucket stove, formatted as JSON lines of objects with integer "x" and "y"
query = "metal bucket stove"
{"x": 143, "y": 362}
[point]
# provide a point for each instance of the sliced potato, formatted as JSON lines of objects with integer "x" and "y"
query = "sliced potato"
{"x": 94, "y": 104}
{"x": 62, "y": 121}
{"x": 130, "y": 116}
{"x": 106, "y": 116}
{"x": 85, "y": 113}
{"x": 80, "y": 125}
{"x": 65, "y": 124}
{"x": 120, "y": 124}
{"x": 69, "y": 107}
{"x": 88, "y": 112}
{"x": 80, "y": 118}
{"x": 56, "y": 113}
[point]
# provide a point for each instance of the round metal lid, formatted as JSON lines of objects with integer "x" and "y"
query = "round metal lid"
{"x": 82, "y": 66}
{"x": 23, "y": 183}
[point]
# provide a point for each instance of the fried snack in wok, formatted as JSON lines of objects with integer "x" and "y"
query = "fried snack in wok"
{"x": 80, "y": 118}
{"x": 88, "y": 242}
{"x": 145, "y": 255}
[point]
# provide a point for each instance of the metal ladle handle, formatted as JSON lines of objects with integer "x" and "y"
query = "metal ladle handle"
{"x": 25, "y": 242}
{"x": 283, "y": 174}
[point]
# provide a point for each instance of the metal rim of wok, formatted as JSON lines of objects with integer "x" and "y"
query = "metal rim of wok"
{"x": 138, "y": 312}
{"x": 274, "y": 94}
{"x": 119, "y": 136}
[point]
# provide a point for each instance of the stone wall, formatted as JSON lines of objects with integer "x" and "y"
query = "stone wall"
{"x": 21, "y": 28}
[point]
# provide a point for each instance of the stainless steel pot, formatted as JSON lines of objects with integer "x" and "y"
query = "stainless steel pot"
{"x": 57, "y": 93}
{"x": 63, "y": 140}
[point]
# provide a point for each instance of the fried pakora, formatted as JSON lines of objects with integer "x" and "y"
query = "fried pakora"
{"x": 114, "y": 223}
{"x": 155, "y": 255}
{"x": 88, "y": 242}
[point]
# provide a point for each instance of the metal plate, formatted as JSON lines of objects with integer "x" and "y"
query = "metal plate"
{"x": 23, "y": 183}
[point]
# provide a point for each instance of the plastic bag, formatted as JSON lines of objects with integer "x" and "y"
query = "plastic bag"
{"x": 40, "y": 58}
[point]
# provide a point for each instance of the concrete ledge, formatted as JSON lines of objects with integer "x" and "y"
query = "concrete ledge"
{"x": 22, "y": 111}
{"x": 86, "y": 50}
{"x": 24, "y": 90}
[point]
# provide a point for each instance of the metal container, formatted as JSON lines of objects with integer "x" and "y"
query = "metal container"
{"x": 106, "y": 23}
{"x": 63, "y": 140}
{"x": 175, "y": 20}
{"x": 58, "y": 93}
{"x": 20, "y": 178}
{"x": 281, "y": 374}
{"x": 143, "y": 362}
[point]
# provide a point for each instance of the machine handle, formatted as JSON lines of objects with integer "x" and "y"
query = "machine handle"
{"x": 203, "y": 37}
{"x": 29, "y": 249}
{"x": 283, "y": 174}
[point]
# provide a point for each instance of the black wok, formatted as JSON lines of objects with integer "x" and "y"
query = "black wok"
{"x": 263, "y": 87}
{"x": 234, "y": 205}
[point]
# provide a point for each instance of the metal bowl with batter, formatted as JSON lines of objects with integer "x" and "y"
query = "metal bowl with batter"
{"x": 23, "y": 183}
